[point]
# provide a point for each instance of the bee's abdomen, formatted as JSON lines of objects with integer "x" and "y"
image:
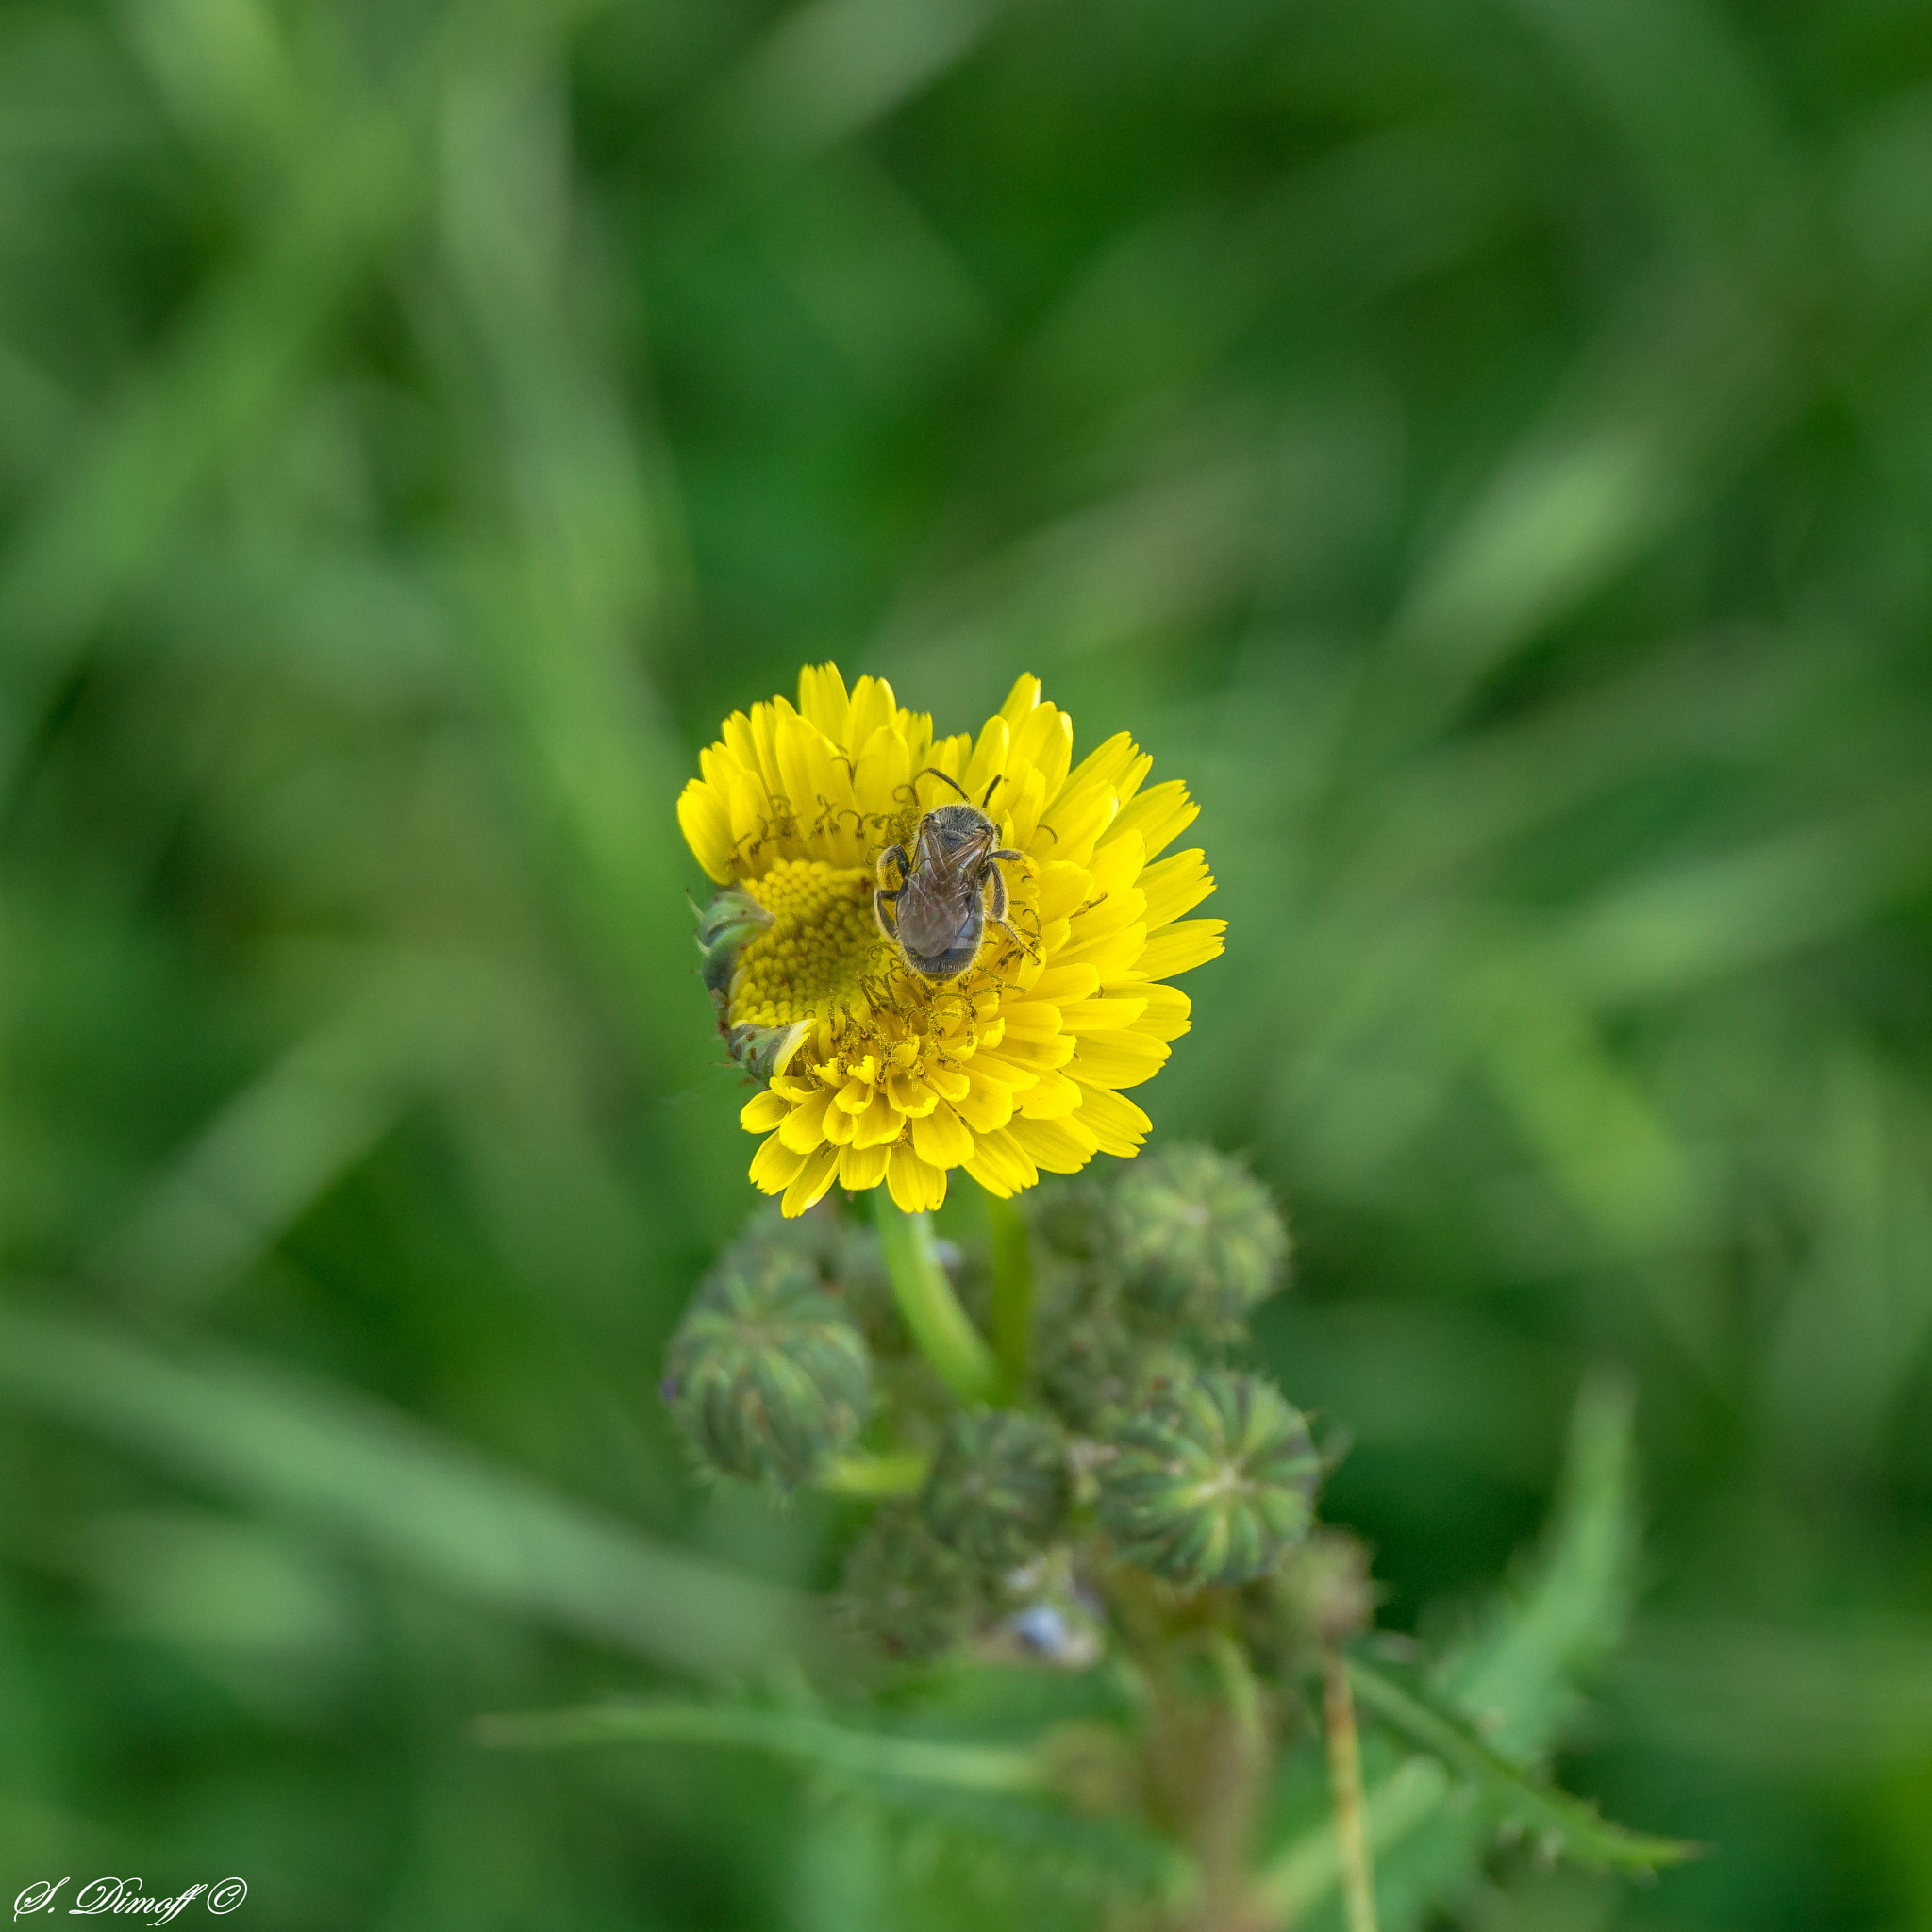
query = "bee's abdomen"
{"x": 946, "y": 965}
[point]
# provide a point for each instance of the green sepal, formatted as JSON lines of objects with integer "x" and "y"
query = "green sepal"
{"x": 764, "y": 1052}
{"x": 724, "y": 927}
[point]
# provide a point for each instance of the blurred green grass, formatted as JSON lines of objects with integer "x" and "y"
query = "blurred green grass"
{"x": 1484, "y": 446}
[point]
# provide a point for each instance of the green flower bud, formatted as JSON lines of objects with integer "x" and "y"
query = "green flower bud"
{"x": 905, "y": 1591}
{"x": 1319, "y": 1595}
{"x": 999, "y": 1490}
{"x": 768, "y": 1240}
{"x": 1096, "y": 1372}
{"x": 1197, "y": 1240}
{"x": 1212, "y": 1483}
{"x": 767, "y": 1373}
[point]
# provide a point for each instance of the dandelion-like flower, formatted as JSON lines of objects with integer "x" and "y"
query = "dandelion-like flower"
{"x": 876, "y": 1073}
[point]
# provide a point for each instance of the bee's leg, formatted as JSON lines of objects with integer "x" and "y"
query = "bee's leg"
{"x": 996, "y": 909}
{"x": 1012, "y": 858}
{"x": 883, "y": 895}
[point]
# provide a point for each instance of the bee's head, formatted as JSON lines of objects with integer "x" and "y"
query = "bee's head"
{"x": 956, "y": 829}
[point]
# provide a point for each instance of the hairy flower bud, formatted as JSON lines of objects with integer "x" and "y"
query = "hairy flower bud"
{"x": 999, "y": 1490}
{"x": 906, "y": 1590}
{"x": 768, "y": 1374}
{"x": 1212, "y": 1483}
{"x": 1197, "y": 1240}
{"x": 1319, "y": 1595}
{"x": 1095, "y": 1371}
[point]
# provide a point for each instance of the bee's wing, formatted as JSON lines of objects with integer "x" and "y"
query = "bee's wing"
{"x": 934, "y": 910}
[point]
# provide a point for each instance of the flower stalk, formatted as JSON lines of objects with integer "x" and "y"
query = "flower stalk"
{"x": 1012, "y": 1290}
{"x": 941, "y": 1329}
{"x": 1346, "y": 1788}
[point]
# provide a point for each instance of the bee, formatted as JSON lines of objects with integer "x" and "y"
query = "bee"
{"x": 946, "y": 891}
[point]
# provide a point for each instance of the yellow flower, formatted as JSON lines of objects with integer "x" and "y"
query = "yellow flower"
{"x": 1017, "y": 1065}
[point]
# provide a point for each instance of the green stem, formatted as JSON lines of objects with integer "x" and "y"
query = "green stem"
{"x": 941, "y": 1328}
{"x": 1012, "y": 1290}
{"x": 894, "y": 1472}
{"x": 1345, "y": 1791}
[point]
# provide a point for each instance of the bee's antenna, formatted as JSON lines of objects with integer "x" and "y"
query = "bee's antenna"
{"x": 992, "y": 788}
{"x": 930, "y": 773}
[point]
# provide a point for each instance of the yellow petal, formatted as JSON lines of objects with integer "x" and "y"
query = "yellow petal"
{"x": 804, "y": 1127}
{"x": 762, "y": 1112}
{"x": 885, "y": 772}
{"x": 1050, "y": 1099}
{"x": 988, "y": 755}
{"x": 705, "y": 820}
{"x": 1118, "y": 1060}
{"x": 1030, "y": 1019}
{"x": 1064, "y": 984}
{"x": 917, "y": 1187}
{"x": 1000, "y": 1165}
{"x": 809, "y": 1184}
{"x": 1180, "y": 948}
{"x": 1022, "y": 699}
{"x": 822, "y": 698}
{"x": 1116, "y": 866}
{"x": 1115, "y": 1122}
{"x": 773, "y": 1166}
{"x": 1168, "y": 1011}
{"x": 872, "y": 706}
{"x": 877, "y": 1125}
{"x": 1063, "y": 889}
{"x": 1104, "y": 1016}
{"x": 1111, "y": 912}
{"x": 1107, "y": 765}
{"x": 942, "y": 1137}
{"x": 909, "y": 1094}
{"x": 1044, "y": 742}
{"x": 1161, "y": 815}
{"x": 949, "y": 1083}
{"x": 1079, "y": 822}
{"x": 1111, "y": 953}
{"x": 1059, "y": 1147}
{"x": 863, "y": 1167}
{"x": 988, "y": 1108}
{"x": 1175, "y": 886}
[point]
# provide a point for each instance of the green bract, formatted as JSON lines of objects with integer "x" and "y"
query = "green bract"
{"x": 1212, "y": 1483}
{"x": 998, "y": 1493}
{"x": 767, "y": 1373}
{"x": 1197, "y": 1240}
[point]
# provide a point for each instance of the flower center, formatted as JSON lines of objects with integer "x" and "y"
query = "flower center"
{"x": 823, "y": 947}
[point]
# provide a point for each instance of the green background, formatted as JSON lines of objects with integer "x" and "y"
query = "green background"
{"x": 1484, "y": 446}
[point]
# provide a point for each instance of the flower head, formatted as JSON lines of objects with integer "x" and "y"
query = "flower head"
{"x": 878, "y": 1073}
